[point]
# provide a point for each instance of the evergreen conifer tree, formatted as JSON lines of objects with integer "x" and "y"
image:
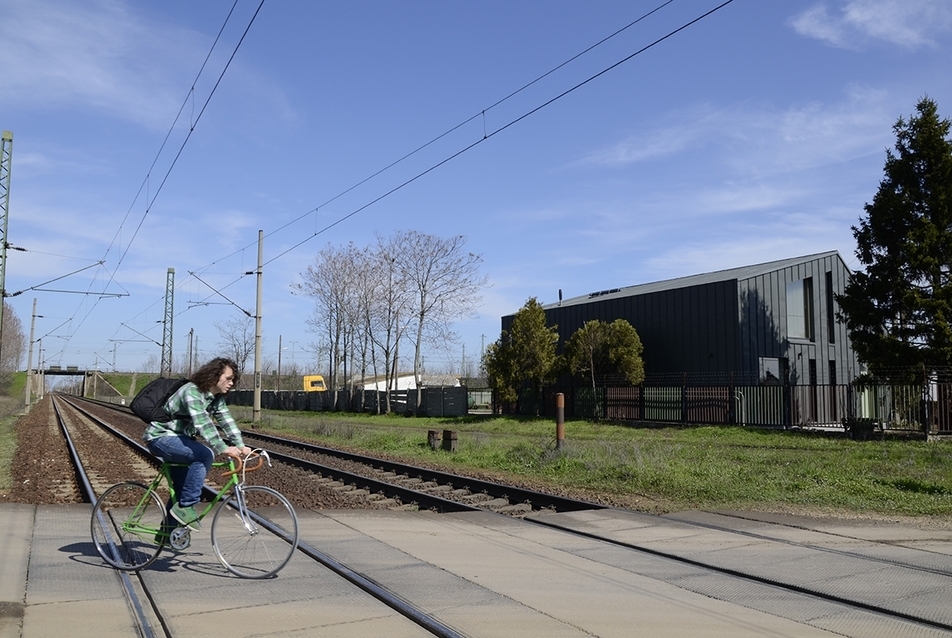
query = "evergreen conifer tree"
{"x": 898, "y": 309}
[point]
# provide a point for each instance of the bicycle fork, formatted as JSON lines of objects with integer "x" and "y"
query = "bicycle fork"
{"x": 243, "y": 513}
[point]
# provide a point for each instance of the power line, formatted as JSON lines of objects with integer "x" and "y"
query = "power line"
{"x": 481, "y": 113}
{"x": 487, "y": 136}
{"x": 193, "y": 124}
{"x": 469, "y": 146}
{"x": 189, "y": 96}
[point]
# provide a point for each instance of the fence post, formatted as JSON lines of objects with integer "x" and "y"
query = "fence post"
{"x": 559, "y": 420}
{"x": 684, "y": 398}
{"x": 731, "y": 400}
{"x": 787, "y": 401}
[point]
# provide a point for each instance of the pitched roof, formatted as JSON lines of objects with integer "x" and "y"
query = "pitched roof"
{"x": 743, "y": 272}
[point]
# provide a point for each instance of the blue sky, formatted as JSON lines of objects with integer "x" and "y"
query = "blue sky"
{"x": 756, "y": 133}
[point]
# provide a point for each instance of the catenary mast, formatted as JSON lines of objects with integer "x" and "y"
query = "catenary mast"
{"x": 6, "y": 160}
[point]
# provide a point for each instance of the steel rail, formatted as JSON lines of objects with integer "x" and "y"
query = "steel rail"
{"x": 382, "y": 594}
{"x": 735, "y": 573}
{"x": 514, "y": 494}
{"x": 140, "y": 616}
{"x": 713, "y": 568}
{"x": 858, "y": 604}
{"x": 538, "y": 500}
{"x": 405, "y": 494}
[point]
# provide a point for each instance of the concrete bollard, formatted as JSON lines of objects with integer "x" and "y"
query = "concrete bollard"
{"x": 449, "y": 440}
{"x": 433, "y": 439}
{"x": 559, "y": 420}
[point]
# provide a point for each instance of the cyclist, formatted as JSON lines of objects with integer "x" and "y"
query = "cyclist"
{"x": 197, "y": 409}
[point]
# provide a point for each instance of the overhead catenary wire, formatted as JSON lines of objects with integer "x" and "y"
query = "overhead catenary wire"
{"x": 486, "y": 136}
{"x": 192, "y": 124}
{"x": 503, "y": 128}
{"x": 408, "y": 155}
{"x": 481, "y": 113}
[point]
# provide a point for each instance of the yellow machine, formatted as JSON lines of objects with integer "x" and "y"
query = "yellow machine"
{"x": 314, "y": 383}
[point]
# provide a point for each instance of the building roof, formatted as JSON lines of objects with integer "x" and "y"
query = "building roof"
{"x": 743, "y": 272}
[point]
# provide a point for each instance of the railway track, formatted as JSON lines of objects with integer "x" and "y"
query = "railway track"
{"x": 399, "y": 485}
{"x": 429, "y": 489}
{"x": 466, "y": 493}
{"x": 77, "y": 422}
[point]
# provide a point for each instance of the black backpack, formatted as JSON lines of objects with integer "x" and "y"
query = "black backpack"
{"x": 149, "y": 403}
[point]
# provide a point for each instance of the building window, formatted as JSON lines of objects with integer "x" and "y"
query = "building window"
{"x": 800, "y": 309}
{"x": 830, "y": 308}
{"x": 770, "y": 371}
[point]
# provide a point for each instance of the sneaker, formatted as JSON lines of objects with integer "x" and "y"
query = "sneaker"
{"x": 186, "y": 516}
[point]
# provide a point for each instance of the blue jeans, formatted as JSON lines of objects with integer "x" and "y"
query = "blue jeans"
{"x": 186, "y": 481}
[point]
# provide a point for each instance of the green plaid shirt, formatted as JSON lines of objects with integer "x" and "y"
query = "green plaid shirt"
{"x": 198, "y": 413}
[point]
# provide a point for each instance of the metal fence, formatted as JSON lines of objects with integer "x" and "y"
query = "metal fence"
{"x": 435, "y": 401}
{"x": 923, "y": 409}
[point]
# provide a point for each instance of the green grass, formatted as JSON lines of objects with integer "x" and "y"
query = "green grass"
{"x": 665, "y": 469}
{"x": 17, "y": 388}
{"x": 121, "y": 382}
{"x": 9, "y": 407}
{"x": 655, "y": 469}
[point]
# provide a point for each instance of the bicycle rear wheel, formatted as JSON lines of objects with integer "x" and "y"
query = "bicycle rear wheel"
{"x": 259, "y": 541}
{"x": 125, "y": 522}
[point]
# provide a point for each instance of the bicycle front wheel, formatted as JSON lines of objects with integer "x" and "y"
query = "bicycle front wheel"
{"x": 125, "y": 522}
{"x": 255, "y": 540}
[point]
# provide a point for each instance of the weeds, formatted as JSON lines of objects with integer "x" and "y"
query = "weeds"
{"x": 8, "y": 441}
{"x": 334, "y": 430}
{"x": 677, "y": 468}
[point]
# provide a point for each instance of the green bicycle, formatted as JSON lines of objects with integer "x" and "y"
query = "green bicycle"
{"x": 254, "y": 533}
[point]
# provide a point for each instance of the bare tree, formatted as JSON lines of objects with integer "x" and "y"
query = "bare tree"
{"x": 366, "y": 288}
{"x": 445, "y": 281}
{"x": 13, "y": 346}
{"x": 152, "y": 364}
{"x": 388, "y": 310}
{"x": 367, "y": 301}
{"x": 330, "y": 282}
{"x": 237, "y": 339}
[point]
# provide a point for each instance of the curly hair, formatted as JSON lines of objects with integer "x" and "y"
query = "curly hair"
{"x": 208, "y": 375}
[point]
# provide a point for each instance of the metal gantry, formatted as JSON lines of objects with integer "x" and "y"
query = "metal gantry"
{"x": 6, "y": 162}
{"x": 167, "y": 324}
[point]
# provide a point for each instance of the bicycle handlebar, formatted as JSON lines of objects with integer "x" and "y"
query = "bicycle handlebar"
{"x": 241, "y": 465}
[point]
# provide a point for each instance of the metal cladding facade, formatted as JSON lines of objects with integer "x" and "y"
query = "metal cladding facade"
{"x": 767, "y": 322}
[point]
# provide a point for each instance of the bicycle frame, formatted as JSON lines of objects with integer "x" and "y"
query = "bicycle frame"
{"x": 165, "y": 474}
{"x": 130, "y": 524}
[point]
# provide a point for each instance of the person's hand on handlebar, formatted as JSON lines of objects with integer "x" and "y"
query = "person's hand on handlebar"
{"x": 238, "y": 452}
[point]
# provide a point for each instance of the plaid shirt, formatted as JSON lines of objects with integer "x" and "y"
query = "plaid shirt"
{"x": 198, "y": 413}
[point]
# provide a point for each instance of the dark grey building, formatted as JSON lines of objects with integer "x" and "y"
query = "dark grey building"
{"x": 766, "y": 322}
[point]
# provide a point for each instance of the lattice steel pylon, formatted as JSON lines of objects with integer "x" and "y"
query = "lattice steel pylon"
{"x": 167, "y": 324}
{"x": 6, "y": 162}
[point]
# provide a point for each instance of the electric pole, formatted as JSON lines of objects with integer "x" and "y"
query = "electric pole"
{"x": 256, "y": 409}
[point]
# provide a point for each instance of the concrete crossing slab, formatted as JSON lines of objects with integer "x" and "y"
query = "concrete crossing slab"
{"x": 482, "y": 574}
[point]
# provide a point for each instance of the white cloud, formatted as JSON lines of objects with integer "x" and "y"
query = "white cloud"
{"x": 910, "y": 24}
{"x": 656, "y": 144}
{"x": 684, "y": 132}
{"x": 816, "y": 23}
{"x": 94, "y": 54}
{"x": 747, "y": 171}
{"x": 750, "y": 142}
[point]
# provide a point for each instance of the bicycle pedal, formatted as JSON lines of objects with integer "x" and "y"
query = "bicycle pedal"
{"x": 180, "y": 538}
